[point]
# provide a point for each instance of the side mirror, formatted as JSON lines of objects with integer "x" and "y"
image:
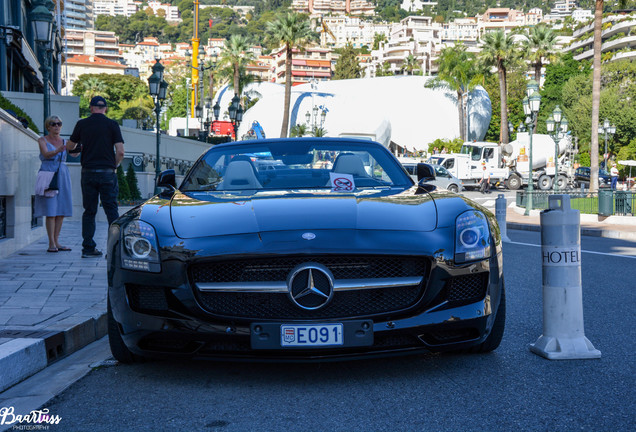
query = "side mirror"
{"x": 167, "y": 179}
{"x": 425, "y": 172}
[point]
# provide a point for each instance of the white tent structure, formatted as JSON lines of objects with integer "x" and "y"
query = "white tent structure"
{"x": 396, "y": 110}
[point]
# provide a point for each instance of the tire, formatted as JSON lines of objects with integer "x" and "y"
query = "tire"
{"x": 453, "y": 188}
{"x": 117, "y": 346}
{"x": 513, "y": 182}
{"x": 562, "y": 182}
{"x": 545, "y": 182}
{"x": 496, "y": 332}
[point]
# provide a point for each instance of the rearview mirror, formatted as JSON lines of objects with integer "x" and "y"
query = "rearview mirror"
{"x": 167, "y": 179}
{"x": 425, "y": 172}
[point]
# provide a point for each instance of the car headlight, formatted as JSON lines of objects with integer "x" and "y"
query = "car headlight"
{"x": 472, "y": 237}
{"x": 139, "y": 249}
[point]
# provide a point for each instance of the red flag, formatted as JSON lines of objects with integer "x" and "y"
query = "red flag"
{"x": 210, "y": 21}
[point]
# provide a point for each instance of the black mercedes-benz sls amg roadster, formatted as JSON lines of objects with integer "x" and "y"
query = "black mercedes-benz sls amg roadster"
{"x": 303, "y": 249}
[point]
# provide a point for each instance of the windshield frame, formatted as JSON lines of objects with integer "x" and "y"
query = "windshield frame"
{"x": 289, "y": 148}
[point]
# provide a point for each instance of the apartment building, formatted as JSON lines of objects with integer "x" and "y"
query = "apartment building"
{"x": 314, "y": 62}
{"x": 103, "y": 44}
{"x": 618, "y": 39}
{"x": 84, "y": 64}
{"x": 416, "y": 5}
{"x": 464, "y": 30}
{"x": 263, "y": 68}
{"x": 414, "y": 35}
{"x": 316, "y": 8}
{"x": 505, "y": 19}
{"x": 116, "y": 7}
{"x": 78, "y": 14}
{"x": 170, "y": 12}
{"x": 346, "y": 29}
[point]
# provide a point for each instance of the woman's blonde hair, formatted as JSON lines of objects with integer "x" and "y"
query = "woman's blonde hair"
{"x": 51, "y": 119}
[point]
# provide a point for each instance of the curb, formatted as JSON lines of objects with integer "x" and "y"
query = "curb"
{"x": 24, "y": 356}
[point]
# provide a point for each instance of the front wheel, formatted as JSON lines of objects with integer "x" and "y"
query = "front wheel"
{"x": 496, "y": 332}
{"x": 453, "y": 188}
{"x": 513, "y": 182}
{"x": 117, "y": 346}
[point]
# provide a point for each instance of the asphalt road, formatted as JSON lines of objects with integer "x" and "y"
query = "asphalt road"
{"x": 509, "y": 389}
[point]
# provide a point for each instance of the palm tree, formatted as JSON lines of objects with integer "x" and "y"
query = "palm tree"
{"x": 93, "y": 87}
{"x": 539, "y": 47}
{"x": 500, "y": 51}
{"x": 293, "y": 31}
{"x": 458, "y": 73}
{"x": 596, "y": 94}
{"x": 235, "y": 55}
{"x": 411, "y": 64}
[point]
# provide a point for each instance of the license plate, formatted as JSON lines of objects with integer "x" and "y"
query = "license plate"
{"x": 311, "y": 335}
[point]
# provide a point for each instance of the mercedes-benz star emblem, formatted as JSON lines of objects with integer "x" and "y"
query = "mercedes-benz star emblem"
{"x": 310, "y": 286}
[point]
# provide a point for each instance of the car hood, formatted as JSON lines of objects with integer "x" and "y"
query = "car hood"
{"x": 204, "y": 214}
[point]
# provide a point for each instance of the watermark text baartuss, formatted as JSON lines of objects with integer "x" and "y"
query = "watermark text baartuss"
{"x": 34, "y": 418}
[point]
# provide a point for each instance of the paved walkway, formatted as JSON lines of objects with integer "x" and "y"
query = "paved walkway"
{"x": 53, "y": 304}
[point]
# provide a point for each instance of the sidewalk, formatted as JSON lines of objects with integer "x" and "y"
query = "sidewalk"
{"x": 53, "y": 304}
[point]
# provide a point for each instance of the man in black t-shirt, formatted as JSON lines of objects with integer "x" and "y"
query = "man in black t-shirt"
{"x": 102, "y": 151}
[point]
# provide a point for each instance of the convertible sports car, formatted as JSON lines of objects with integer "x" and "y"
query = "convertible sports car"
{"x": 303, "y": 249}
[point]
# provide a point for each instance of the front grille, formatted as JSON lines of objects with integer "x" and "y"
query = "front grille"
{"x": 467, "y": 288}
{"x": 278, "y": 306}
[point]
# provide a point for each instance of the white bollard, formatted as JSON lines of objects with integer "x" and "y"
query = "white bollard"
{"x": 563, "y": 335}
{"x": 500, "y": 214}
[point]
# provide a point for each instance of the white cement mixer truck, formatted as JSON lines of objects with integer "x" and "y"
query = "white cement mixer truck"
{"x": 509, "y": 163}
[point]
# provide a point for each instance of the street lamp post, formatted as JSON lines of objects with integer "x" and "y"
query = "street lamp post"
{"x": 157, "y": 87}
{"x": 531, "y": 105}
{"x": 606, "y": 129}
{"x": 557, "y": 126}
{"x": 236, "y": 114}
{"x": 43, "y": 28}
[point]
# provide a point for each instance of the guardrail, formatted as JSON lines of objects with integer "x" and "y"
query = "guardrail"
{"x": 604, "y": 203}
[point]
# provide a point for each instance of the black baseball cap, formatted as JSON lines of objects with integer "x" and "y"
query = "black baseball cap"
{"x": 98, "y": 101}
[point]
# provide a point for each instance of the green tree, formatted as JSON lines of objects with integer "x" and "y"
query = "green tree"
{"x": 539, "y": 47}
{"x": 293, "y": 31}
{"x": 458, "y": 73}
{"x": 500, "y": 51}
{"x": 377, "y": 38}
{"x": 115, "y": 88}
{"x": 298, "y": 130}
{"x": 236, "y": 54}
{"x": 131, "y": 180}
{"x": 347, "y": 66}
{"x": 411, "y": 64}
{"x": 124, "y": 191}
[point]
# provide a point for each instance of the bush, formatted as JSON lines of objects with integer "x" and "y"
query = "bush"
{"x": 124, "y": 191}
{"x": 133, "y": 187}
{"x": 8, "y": 106}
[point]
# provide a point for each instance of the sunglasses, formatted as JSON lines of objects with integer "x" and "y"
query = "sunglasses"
{"x": 55, "y": 124}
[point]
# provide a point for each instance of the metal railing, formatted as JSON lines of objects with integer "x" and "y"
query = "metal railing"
{"x": 604, "y": 203}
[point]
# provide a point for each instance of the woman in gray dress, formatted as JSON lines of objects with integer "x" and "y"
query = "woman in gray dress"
{"x": 56, "y": 208}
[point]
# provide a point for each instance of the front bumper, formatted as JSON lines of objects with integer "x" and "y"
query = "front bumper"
{"x": 175, "y": 323}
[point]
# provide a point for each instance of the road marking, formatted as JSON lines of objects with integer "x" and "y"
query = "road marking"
{"x": 586, "y": 251}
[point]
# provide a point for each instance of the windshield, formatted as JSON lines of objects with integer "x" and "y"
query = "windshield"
{"x": 295, "y": 164}
{"x": 474, "y": 152}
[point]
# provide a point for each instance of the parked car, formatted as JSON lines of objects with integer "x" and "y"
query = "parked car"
{"x": 582, "y": 177}
{"x": 443, "y": 179}
{"x": 310, "y": 261}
